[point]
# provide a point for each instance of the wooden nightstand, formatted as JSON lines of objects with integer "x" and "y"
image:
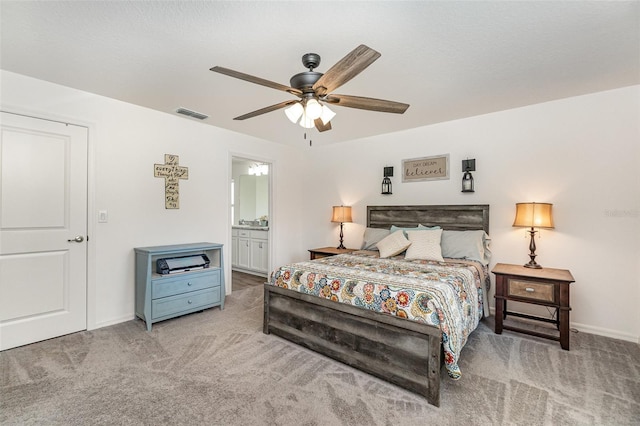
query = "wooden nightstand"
{"x": 327, "y": 251}
{"x": 546, "y": 287}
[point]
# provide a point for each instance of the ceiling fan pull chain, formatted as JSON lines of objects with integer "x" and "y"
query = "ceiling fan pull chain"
{"x": 305, "y": 138}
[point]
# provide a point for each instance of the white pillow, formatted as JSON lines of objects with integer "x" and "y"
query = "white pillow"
{"x": 425, "y": 245}
{"x": 394, "y": 244}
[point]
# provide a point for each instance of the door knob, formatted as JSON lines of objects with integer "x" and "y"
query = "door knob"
{"x": 77, "y": 239}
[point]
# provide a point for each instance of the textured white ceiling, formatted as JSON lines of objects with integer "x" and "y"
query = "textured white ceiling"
{"x": 447, "y": 59}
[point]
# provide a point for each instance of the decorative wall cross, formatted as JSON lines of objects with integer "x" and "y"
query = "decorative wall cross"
{"x": 172, "y": 173}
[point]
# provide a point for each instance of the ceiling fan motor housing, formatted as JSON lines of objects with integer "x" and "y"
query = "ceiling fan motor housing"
{"x": 305, "y": 80}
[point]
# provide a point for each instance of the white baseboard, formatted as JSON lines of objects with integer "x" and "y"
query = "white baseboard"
{"x": 113, "y": 321}
{"x": 250, "y": 272}
{"x": 614, "y": 334}
{"x": 599, "y": 331}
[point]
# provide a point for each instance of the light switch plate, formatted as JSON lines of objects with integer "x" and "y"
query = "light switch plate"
{"x": 103, "y": 216}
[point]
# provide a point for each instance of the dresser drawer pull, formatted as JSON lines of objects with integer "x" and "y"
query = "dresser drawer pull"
{"x": 529, "y": 289}
{"x": 189, "y": 283}
{"x": 189, "y": 302}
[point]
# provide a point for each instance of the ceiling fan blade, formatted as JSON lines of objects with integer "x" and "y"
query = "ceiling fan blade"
{"x": 321, "y": 126}
{"x": 266, "y": 110}
{"x": 345, "y": 69}
{"x": 256, "y": 80}
{"x": 370, "y": 104}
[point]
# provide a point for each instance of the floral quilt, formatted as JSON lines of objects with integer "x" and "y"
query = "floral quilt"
{"x": 448, "y": 295}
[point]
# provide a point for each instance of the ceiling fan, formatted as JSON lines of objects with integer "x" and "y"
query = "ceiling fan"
{"x": 314, "y": 90}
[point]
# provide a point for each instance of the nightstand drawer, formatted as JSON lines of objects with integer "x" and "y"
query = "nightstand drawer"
{"x": 320, "y": 255}
{"x": 328, "y": 251}
{"x": 530, "y": 290}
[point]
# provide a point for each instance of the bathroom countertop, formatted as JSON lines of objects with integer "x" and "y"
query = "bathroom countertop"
{"x": 251, "y": 227}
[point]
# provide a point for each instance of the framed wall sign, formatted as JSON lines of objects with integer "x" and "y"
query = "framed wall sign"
{"x": 425, "y": 168}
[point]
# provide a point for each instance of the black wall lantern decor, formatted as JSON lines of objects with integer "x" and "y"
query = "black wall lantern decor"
{"x": 386, "y": 182}
{"x": 468, "y": 166}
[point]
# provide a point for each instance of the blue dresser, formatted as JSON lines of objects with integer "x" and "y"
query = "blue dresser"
{"x": 160, "y": 297}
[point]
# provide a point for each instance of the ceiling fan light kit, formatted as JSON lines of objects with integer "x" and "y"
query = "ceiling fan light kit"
{"x": 314, "y": 88}
{"x": 308, "y": 113}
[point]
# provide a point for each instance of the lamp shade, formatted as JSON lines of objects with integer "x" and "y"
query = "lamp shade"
{"x": 341, "y": 214}
{"x": 534, "y": 215}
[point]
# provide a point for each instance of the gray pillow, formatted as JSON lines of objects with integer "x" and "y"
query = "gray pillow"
{"x": 420, "y": 227}
{"x": 472, "y": 245}
{"x": 372, "y": 236}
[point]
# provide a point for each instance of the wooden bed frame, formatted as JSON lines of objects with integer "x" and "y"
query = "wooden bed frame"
{"x": 403, "y": 352}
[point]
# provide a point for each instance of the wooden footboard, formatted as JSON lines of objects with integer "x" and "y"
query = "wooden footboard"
{"x": 405, "y": 353}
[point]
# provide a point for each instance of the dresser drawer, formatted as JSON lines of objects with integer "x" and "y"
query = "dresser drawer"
{"x": 164, "y": 287}
{"x": 183, "y": 302}
{"x": 531, "y": 290}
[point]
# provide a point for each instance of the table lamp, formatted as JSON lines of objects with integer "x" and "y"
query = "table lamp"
{"x": 533, "y": 215}
{"x": 341, "y": 214}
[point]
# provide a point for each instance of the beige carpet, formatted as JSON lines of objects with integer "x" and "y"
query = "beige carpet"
{"x": 218, "y": 368}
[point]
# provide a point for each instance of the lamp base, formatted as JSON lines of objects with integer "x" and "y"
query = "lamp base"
{"x": 532, "y": 251}
{"x": 341, "y": 246}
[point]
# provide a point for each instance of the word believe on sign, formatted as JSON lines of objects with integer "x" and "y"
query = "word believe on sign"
{"x": 425, "y": 168}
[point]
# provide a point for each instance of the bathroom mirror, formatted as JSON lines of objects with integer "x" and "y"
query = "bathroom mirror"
{"x": 251, "y": 191}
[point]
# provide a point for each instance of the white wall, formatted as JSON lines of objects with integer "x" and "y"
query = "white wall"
{"x": 582, "y": 154}
{"x": 125, "y": 142}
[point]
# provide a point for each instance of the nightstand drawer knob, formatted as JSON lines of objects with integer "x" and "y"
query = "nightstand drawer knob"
{"x": 529, "y": 289}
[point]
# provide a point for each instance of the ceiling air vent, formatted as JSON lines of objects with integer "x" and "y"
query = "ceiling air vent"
{"x": 192, "y": 114}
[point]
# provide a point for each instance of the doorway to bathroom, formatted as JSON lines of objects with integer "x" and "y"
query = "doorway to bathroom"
{"x": 250, "y": 226}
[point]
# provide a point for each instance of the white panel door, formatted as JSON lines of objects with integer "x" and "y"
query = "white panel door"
{"x": 43, "y": 229}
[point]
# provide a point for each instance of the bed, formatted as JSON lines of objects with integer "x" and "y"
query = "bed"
{"x": 357, "y": 315}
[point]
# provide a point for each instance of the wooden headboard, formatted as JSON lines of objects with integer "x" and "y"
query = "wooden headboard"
{"x": 451, "y": 217}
